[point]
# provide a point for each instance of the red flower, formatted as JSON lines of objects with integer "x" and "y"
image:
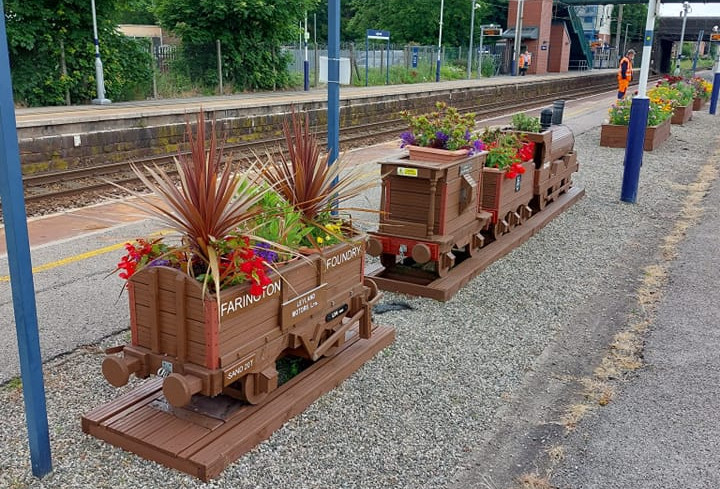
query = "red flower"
{"x": 256, "y": 290}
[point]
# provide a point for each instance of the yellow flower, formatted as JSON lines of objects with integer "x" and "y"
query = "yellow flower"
{"x": 319, "y": 240}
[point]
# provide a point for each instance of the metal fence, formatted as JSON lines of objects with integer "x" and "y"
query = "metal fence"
{"x": 378, "y": 55}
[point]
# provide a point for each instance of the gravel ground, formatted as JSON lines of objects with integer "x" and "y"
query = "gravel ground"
{"x": 411, "y": 417}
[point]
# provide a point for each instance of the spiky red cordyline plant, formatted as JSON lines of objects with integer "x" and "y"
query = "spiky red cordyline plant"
{"x": 304, "y": 178}
{"x": 207, "y": 204}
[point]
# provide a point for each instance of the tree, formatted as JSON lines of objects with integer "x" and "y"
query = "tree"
{"x": 44, "y": 32}
{"x": 251, "y": 34}
{"x": 419, "y": 21}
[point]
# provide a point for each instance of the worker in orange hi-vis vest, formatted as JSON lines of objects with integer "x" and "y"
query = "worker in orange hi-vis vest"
{"x": 522, "y": 64}
{"x": 624, "y": 75}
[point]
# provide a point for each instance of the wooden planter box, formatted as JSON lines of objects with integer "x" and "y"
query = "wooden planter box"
{"x": 699, "y": 103}
{"x": 507, "y": 199}
{"x": 553, "y": 179}
{"x": 205, "y": 345}
{"x": 427, "y": 209}
{"x": 615, "y": 136}
{"x": 682, "y": 114}
{"x": 421, "y": 153}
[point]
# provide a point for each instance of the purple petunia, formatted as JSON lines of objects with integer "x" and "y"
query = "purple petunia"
{"x": 263, "y": 251}
{"x": 441, "y": 139}
{"x": 477, "y": 146}
{"x": 408, "y": 138}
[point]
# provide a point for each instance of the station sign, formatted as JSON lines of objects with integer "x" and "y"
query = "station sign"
{"x": 491, "y": 31}
{"x": 378, "y": 34}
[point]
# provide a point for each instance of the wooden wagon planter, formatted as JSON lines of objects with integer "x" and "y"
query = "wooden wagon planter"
{"x": 682, "y": 114}
{"x": 615, "y": 136}
{"x": 429, "y": 211}
{"x": 210, "y": 346}
{"x": 507, "y": 199}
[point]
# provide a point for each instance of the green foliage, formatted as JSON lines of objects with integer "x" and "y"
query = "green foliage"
{"x": 250, "y": 33}
{"x": 526, "y": 123}
{"x": 39, "y": 31}
{"x": 502, "y": 148}
{"x": 425, "y": 72}
{"x": 444, "y": 128}
{"x": 135, "y": 12}
{"x": 419, "y": 20}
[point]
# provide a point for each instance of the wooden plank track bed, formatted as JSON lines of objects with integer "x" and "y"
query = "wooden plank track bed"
{"x": 203, "y": 438}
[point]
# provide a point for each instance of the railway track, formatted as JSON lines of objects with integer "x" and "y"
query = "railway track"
{"x": 50, "y": 192}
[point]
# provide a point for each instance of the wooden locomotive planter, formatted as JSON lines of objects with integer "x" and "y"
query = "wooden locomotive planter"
{"x": 429, "y": 212}
{"x": 682, "y": 114}
{"x": 615, "y": 136}
{"x": 217, "y": 394}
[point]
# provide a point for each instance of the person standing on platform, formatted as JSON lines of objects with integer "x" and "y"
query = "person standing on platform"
{"x": 624, "y": 75}
{"x": 528, "y": 59}
{"x": 522, "y": 68}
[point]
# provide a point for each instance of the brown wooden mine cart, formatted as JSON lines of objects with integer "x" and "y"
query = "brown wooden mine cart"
{"x": 208, "y": 346}
{"x": 429, "y": 212}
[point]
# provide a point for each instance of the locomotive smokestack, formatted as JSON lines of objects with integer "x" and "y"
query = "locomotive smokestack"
{"x": 558, "y": 109}
{"x": 546, "y": 119}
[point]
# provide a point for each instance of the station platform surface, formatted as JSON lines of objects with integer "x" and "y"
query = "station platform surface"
{"x": 48, "y": 116}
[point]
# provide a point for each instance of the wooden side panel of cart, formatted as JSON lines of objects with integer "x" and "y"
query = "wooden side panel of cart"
{"x": 424, "y": 199}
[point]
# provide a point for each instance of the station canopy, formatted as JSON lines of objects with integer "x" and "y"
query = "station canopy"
{"x": 525, "y": 33}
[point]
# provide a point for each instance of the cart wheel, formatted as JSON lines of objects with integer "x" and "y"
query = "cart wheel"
{"x": 499, "y": 228}
{"x": 444, "y": 264}
{"x": 250, "y": 390}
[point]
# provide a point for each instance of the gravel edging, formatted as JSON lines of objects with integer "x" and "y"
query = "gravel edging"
{"x": 411, "y": 416}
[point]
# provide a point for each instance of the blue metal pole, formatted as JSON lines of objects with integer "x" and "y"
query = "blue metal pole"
{"x": 634, "y": 148}
{"x": 716, "y": 85}
{"x": 333, "y": 80}
{"x": 638, "y": 116}
{"x": 23, "y": 289}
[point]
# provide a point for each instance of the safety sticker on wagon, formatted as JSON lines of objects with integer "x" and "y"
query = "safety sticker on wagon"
{"x": 407, "y": 172}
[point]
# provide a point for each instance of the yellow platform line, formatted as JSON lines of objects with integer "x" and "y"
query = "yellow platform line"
{"x": 80, "y": 257}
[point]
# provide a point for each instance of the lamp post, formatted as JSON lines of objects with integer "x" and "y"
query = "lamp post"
{"x": 683, "y": 14}
{"x": 306, "y": 63}
{"x": 437, "y": 66}
{"x": 99, "y": 78}
{"x": 625, "y": 40}
{"x": 518, "y": 30}
{"x": 472, "y": 33}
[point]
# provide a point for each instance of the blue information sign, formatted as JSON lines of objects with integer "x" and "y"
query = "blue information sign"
{"x": 378, "y": 34}
{"x": 415, "y": 56}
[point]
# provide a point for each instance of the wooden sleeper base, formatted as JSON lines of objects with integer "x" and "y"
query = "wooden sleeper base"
{"x": 202, "y": 439}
